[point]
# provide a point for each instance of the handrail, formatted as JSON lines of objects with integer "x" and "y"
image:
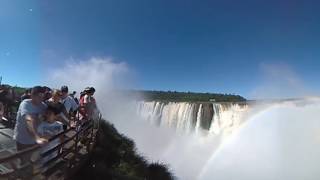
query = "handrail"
{"x": 35, "y": 147}
{"x": 57, "y": 157}
{"x": 61, "y": 133}
{"x": 19, "y": 153}
{"x": 65, "y": 142}
{"x": 30, "y": 149}
{"x": 82, "y": 130}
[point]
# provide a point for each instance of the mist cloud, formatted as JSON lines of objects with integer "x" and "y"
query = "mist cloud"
{"x": 190, "y": 154}
{"x": 279, "y": 80}
{"x": 186, "y": 154}
{"x": 281, "y": 142}
{"x": 102, "y": 73}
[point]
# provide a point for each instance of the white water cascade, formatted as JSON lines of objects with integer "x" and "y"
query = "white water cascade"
{"x": 204, "y": 118}
{"x": 199, "y": 128}
{"x": 279, "y": 141}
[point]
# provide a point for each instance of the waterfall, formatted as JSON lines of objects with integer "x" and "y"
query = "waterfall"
{"x": 198, "y": 119}
{"x": 208, "y": 118}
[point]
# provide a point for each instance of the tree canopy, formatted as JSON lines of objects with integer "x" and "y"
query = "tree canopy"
{"x": 189, "y": 96}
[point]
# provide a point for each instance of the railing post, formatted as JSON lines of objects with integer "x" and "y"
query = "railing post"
{"x": 78, "y": 128}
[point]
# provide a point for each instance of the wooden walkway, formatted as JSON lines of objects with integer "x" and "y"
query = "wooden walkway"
{"x": 72, "y": 152}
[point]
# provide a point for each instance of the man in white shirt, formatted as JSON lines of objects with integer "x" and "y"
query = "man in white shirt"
{"x": 68, "y": 102}
{"x": 28, "y": 114}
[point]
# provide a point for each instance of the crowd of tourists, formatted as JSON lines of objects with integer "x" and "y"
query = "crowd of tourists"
{"x": 45, "y": 112}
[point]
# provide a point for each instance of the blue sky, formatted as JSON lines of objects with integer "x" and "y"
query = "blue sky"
{"x": 206, "y": 46}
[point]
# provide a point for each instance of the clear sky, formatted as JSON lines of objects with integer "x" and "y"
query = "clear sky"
{"x": 184, "y": 45}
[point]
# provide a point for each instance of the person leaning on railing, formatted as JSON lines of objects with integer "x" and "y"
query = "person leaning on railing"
{"x": 88, "y": 107}
{"x": 48, "y": 128}
{"x": 55, "y": 101}
{"x": 67, "y": 100}
{"x": 25, "y": 133}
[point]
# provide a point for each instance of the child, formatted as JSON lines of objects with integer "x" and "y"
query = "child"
{"x": 48, "y": 128}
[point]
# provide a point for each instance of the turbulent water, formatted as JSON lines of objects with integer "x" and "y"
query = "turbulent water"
{"x": 205, "y": 118}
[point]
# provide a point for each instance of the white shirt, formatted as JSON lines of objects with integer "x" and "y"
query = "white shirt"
{"x": 21, "y": 133}
{"x": 69, "y": 103}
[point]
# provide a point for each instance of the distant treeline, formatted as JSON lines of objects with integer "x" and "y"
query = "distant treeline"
{"x": 175, "y": 96}
{"x": 189, "y": 96}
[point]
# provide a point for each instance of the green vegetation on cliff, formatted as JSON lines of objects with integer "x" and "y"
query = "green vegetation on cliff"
{"x": 189, "y": 96}
{"x": 115, "y": 158}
